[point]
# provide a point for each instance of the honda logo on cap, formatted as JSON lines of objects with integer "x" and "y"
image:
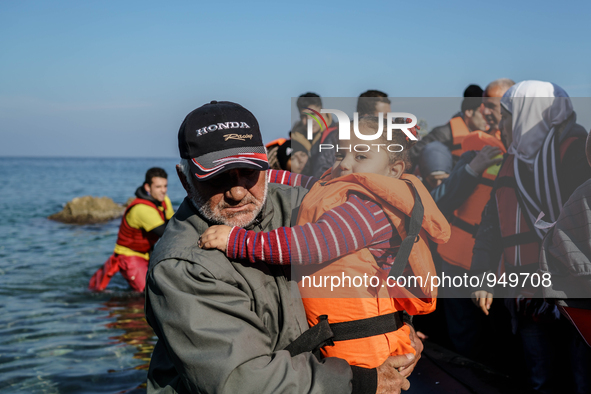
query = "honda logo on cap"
{"x": 222, "y": 126}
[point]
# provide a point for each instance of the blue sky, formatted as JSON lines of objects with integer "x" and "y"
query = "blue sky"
{"x": 102, "y": 79}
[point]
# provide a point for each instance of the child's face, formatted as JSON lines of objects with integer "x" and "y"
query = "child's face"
{"x": 373, "y": 161}
{"x": 298, "y": 162}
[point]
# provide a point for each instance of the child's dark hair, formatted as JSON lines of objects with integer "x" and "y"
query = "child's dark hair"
{"x": 398, "y": 137}
{"x": 154, "y": 172}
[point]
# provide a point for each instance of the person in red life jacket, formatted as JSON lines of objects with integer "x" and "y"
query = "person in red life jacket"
{"x": 545, "y": 163}
{"x": 435, "y": 164}
{"x": 366, "y": 191}
{"x": 452, "y": 133}
{"x": 323, "y": 133}
{"x": 372, "y": 102}
{"x": 143, "y": 223}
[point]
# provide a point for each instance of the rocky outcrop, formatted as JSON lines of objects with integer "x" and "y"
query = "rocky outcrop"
{"x": 89, "y": 210}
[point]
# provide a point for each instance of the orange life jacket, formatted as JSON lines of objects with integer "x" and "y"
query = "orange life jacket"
{"x": 466, "y": 219}
{"x": 459, "y": 131}
{"x": 135, "y": 239}
{"x": 350, "y": 303}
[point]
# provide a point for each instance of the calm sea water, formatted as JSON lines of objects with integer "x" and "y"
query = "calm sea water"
{"x": 55, "y": 335}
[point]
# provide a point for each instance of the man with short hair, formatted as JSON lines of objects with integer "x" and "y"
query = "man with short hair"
{"x": 372, "y": 102}
{"x": 143, "y": 223}
{"x": 310, "y": 104}
{"x": 453, "y": 132}
{"x": 223, "y": 325}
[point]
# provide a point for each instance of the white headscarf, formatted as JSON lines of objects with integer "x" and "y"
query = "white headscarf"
{"x": 533, "y": 118}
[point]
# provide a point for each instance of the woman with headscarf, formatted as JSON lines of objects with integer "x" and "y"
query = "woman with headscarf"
{"x": 544, "y": 164}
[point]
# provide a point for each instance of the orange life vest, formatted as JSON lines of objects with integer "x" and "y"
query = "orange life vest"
{"x": 135, "y": 239}
{"x": 466, "y": 219}
{"x": 459, "y": 131}
{"x": 351, "y": 303}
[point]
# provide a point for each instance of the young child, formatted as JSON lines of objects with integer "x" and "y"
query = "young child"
{"x": 351, "y": 224}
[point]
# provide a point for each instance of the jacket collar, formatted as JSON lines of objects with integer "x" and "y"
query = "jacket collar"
{"x": 140, "y": 192}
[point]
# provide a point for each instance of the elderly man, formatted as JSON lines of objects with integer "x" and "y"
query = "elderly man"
{"x": 491, "y": 103}
{"x": 223, "y": 325}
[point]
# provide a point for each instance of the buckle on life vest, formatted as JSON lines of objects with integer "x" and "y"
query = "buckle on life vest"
{"x": 325, "y": 334}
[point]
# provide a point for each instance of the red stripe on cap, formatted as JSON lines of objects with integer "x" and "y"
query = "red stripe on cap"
{"x": 244, "y": 158}
{"x": 257, "y": 156}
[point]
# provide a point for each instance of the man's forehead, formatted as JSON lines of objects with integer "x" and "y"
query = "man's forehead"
{"x": 494, "y": 92}
{"x": 158, "y": 179}
{"x": 314, "y": 107}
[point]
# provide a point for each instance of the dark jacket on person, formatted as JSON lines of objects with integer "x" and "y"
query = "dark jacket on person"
{"x": 222, "y": 324}
{"x": 320, "y": 161}
{"x": 566, "y": 251}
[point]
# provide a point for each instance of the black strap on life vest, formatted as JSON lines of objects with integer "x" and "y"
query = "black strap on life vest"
{"x": 486, "y": 181}
{"x": 325, "y": 334}
{"x": 519, "y": 239}
{"x": 413, "y": 228}
{"x": 467, "y": 227}
{"x": 456, "y": 147}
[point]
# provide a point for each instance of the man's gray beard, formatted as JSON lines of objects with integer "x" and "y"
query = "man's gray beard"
{"x": 238, "y": 219}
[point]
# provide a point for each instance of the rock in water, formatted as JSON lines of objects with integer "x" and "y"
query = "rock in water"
{"x": 89, "y": 210}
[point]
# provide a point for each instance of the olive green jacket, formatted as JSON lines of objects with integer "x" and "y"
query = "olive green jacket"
{"x": 222, "y": 324}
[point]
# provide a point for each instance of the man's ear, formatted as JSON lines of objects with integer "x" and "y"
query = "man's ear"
{"x": 183, "y": 179}
{"x": 397, "y": 169}
{"x": 468, "y": 113}
{"x": 147, "y": 188}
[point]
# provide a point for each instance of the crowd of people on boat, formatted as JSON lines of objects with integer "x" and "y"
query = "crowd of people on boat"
{"x": 499, "y": 192}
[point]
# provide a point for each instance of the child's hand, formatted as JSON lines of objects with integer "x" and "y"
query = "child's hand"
{"x": 215, "y": 237}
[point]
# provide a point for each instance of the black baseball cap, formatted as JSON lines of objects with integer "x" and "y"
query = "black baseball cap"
{"x": 220, "y": 136}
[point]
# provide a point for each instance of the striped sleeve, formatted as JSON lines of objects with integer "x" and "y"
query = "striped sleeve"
{"x": 351, "y": 226}
{"x": 290, "y": 178}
